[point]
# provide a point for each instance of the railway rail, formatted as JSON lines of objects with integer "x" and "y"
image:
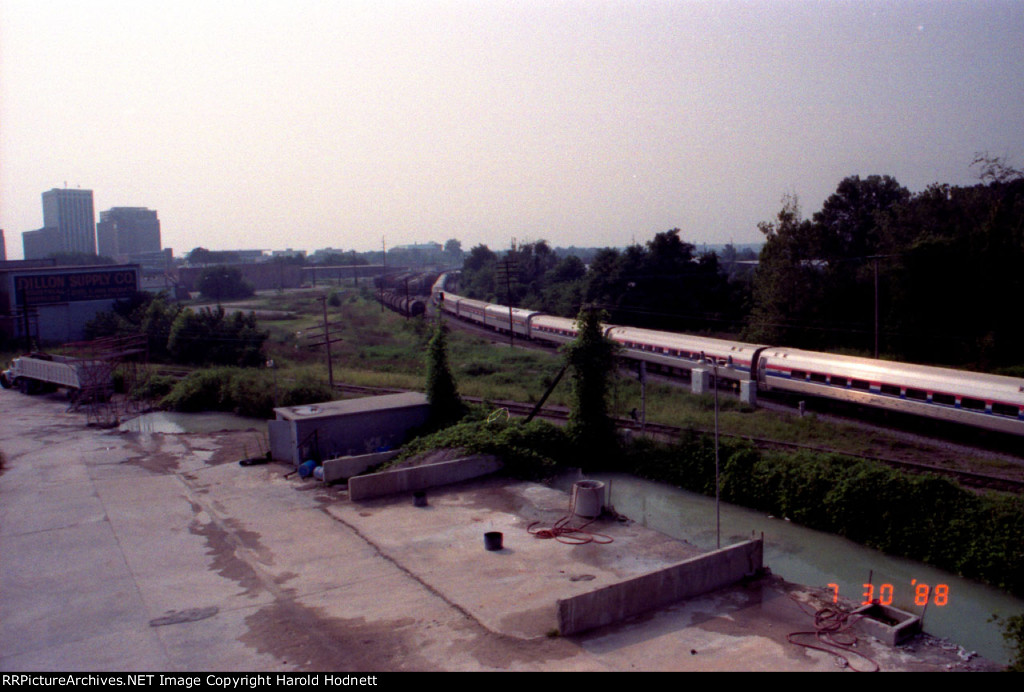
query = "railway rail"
{"x": 971, "y": 479}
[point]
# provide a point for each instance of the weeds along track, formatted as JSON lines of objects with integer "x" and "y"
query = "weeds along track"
{"x": 560, "y": 415}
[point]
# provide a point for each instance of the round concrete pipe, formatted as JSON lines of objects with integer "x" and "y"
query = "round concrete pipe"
{"x": 492, "y": 540}
{"x": 588, "y": 498}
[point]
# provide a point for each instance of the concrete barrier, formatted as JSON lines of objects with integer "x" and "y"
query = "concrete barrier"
{"x": 420, "y": 477}
{"x": 638, "y": 595}
{"x": 346, "y": 467}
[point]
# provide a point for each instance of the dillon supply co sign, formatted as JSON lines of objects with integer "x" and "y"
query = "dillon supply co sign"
{"x": 108, "y": 284}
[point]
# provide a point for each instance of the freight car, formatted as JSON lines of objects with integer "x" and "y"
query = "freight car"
{"x": 408, "y": 306}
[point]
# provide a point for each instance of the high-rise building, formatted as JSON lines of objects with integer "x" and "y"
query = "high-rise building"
{"x": 3, "y": 247}
{"x": 71, "y": 213}
{"x": 125, "y": 231}
{"x": 41, "y": 243}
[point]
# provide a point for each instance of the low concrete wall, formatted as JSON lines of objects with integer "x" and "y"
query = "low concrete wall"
{"x": 346, "y": 467}
{"x": 420, "y": 477}
{"x": 638, "y": 595}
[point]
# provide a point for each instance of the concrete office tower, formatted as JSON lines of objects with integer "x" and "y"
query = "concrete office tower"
{"x": 71, "y": 213}
{"x": 128, "y": 231}
{"x": 3, "y": 247}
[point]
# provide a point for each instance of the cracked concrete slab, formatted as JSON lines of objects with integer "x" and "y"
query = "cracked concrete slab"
{"x": 103, "y": 533}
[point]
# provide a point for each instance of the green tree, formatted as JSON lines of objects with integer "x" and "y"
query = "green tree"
{"x": 956, "y": 254}
{"x": 446, "y": 407}
{"x": 662, "y": 285}
{"x": 200, "y": 256}
{"x": 591, "y": 358}
{"x": 850, "y": 218}
{"x": 156, "y": 323}
{"x": 211, "y": 336}
{"x": 814, "y": 285}
{"x": 787, "y": 289}
{"x": 478, "y": 274}
{"x": 453, "y": 252}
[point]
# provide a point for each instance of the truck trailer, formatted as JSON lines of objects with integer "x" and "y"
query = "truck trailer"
{"x": 42, "y": 372}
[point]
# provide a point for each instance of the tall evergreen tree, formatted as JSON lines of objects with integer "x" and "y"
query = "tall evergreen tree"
{"x": 592, "y": 359}
{"x": 446, "y": 407}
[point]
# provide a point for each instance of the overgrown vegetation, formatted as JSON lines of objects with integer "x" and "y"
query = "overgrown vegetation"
{"x": 923, "y": 517}
{"x": 179, "y": 334}
{"x": 531, "y": 450}
{"x": 1013, "y": 633}
{"x": 245, "y": 391}
{"x": 213, "y": 336}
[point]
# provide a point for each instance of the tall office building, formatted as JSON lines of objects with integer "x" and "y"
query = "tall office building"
{"x": 41, "y": 243}
{"x": 3, "y": 247}
{"x": 128, "y": 231}
{"x": 71, "y": 213}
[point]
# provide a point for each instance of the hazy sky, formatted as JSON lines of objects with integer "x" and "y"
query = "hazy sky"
{"x": 316, "y": 123}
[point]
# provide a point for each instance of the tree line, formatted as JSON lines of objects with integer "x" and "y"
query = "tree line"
{"x": 928, "y": 277}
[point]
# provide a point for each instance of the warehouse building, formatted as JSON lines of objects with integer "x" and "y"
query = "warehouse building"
{"x": 52, "y": 304}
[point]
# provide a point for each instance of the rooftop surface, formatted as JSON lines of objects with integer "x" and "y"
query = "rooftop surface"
{"x": 344, "y": 407}
{"x": 159, "y": 552}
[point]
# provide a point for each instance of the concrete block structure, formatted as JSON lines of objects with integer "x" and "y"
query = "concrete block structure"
{"x": 687, "y": 579}
{"x": 421, "y": 477}
{"x": 348, "y": 427}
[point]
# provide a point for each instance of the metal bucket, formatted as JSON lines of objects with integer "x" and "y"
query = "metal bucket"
{"x": 492, "y": 540}
{"x": 588, "y": 498}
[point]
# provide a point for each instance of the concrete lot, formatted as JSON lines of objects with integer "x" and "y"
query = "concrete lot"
{"x": 143, "y": 552}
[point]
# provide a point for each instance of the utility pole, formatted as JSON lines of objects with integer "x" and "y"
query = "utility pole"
{"x": 642, "y": 376}
{"x": 327, "y": 343}
{"x": 876, "y": 305}
{"x": 24, "y": 312}
{"x": 505, "y": 268}
{"x": 713, "y": 361}
{"x": 874, "y": 259}
{"x": 408, "y": 312}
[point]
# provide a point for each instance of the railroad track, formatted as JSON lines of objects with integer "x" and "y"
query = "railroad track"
{"x": 560, "y": 415}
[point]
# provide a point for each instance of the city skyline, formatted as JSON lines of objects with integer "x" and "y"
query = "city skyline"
{"x": 69, "y": 225}
{"x": 317, "y": 124}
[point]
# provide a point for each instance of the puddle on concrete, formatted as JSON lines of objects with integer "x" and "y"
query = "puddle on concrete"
{"x": 170, "y": 422}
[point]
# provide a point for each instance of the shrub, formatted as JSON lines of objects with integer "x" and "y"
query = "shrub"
{"x": 251, "y": 393}
{"x": 922, "y": 517}
{"x": 529, "y": 450}
{"x": 203, "y": 390}
{"x": 305, "y": 389}
{"x": 153, "y": 387}
{"x": 244, "y": 391}
{"x": 1013, "y": 634}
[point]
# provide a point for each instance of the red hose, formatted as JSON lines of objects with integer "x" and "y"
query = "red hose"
{"x": 832, "y": 631}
